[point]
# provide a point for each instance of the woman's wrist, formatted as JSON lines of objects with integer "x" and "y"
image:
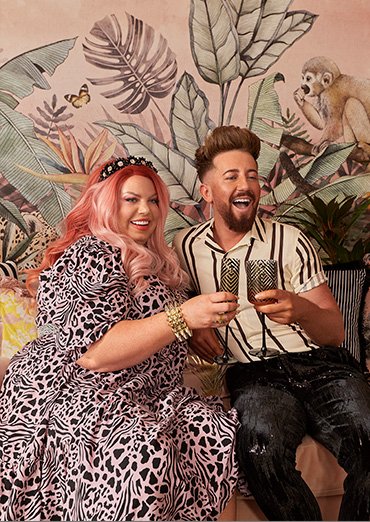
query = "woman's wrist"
{"x": 177, "y": 323}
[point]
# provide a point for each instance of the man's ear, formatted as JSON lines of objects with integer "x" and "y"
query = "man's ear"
{"x": 206, "y": 192}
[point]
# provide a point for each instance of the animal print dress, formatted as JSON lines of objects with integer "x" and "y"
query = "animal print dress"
{"x": 133, "y": 444}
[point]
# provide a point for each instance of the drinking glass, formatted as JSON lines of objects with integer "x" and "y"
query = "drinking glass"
{"x": 261, "y": 275}
{"x": 229, "y": 282}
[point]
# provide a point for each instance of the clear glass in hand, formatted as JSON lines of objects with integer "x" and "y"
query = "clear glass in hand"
{"x": 261, "y": 275}
{"x": 229, "y": 282}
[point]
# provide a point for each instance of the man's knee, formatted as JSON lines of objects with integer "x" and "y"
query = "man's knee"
{"x": 260, "y": 448}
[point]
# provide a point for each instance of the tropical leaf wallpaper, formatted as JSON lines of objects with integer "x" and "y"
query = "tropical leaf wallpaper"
{"x": 152, "y": 78}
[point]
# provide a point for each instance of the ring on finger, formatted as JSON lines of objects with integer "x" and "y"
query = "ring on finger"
{"x": 221, "y": 318}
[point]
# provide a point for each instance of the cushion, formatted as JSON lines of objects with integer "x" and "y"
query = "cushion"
{"x": 17, "y": 320}
{"x": 349, "y": 284}
{"x": 8, "y": 269}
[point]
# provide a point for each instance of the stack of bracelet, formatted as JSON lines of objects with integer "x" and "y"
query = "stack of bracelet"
{"x": 177, "y": 322}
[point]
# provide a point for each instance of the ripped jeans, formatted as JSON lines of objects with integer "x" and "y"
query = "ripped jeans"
{"x": 322, "y": 393}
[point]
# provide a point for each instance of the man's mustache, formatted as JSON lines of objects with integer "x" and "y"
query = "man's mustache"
{"x": 245, "y": 193}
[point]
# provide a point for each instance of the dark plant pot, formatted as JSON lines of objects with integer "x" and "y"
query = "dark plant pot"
{"x": 349, "y": 283}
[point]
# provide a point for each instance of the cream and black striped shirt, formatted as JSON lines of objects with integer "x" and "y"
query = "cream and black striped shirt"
{"x": 299, "y": 270}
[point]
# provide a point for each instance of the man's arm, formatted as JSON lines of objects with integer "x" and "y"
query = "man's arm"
{"x": 315, "y": 310}
{"x": 205, "y": 344}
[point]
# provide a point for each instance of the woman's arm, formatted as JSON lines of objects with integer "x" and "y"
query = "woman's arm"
{"x": 130, "y": 342}
{"x": 4, "y": 363}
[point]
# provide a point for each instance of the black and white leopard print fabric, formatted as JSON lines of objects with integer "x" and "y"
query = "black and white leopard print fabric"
{"x": 133, "y": 444}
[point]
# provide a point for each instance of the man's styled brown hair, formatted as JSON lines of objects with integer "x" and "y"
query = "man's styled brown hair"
{"x": 223, "y": 139}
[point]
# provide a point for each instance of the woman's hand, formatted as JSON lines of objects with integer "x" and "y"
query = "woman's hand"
{"x": 130, "y": 342}
{"x": 210, "y": 310}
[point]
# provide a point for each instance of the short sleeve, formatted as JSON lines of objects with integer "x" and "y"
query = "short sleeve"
{"x": 307, "y": 269}
{"x": 84, "y": 295}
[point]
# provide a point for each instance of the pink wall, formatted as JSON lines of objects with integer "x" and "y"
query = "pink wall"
{"x": 340, "y": 32}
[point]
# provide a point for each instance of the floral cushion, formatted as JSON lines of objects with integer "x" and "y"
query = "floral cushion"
{"x": 17, "y": 319}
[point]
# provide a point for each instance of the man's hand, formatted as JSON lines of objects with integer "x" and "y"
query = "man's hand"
{"x": 315, "y": 310}
{"x": 205, "y": 344}
{"x": 285, "y": 310}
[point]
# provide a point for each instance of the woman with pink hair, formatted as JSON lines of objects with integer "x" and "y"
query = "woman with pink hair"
{"x": 95, "y": 423}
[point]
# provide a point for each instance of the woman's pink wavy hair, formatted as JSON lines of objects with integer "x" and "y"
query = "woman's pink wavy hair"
{"x": 96, "y": 213}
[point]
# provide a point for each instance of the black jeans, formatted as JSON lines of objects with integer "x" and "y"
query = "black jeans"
{"x": 279, "y": 400}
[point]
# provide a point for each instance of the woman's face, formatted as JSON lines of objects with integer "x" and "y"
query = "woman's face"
{"x": 139, "y": 212}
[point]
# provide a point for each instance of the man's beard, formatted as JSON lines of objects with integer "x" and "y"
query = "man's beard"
{"x": 240, "y": 225}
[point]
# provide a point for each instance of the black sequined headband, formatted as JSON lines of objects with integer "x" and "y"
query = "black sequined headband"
{"x": 120, "y": 163}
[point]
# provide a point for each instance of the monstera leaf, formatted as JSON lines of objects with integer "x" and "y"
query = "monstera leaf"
{"x": 190, "y": 122}
{"x": 20, "y": 75}
{"x": 213, "y": 41}
{"x": 20, "y": 146}
{"x": 266, "y": 30}
{"x": 142, "y": 72}
{"x": 174, "y": 168}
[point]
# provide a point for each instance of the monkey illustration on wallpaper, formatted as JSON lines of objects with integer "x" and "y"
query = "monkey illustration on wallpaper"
{"x": 337, "y": 103}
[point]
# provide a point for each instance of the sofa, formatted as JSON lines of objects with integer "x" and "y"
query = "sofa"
{"x": 17, "y": 315}
{"x": 318, "y": 466}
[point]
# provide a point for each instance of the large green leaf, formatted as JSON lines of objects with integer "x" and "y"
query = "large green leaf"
{"x": 345, "y": 186}
{"x": 271, "y": 15}
{"x": 316, "y": 170}
{"x": 213, "y": 41}
{"x": 267, "y": 160}
{"x": 176, "y": 221}
{"x": 20, "y": 75}
{"x": 174, "y": 167}
{"x": 142, "y": 70}
{"x": 246, "y": 16}
{"x": 263, "y": 106}
{"x": 189, "y": 118}
{"x": 10, "y": 212}
{"x": 327, "y": 162}
{"x": 294, "y": 25}
{"x": 266, "y": 30}
{"x": 20, "y": 146}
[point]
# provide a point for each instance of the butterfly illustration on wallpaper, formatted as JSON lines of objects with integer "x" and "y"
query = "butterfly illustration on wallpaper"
{"x": 80, "y": 99}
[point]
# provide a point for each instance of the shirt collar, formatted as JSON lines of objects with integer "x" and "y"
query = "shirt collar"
{"x": 257, "y": 232}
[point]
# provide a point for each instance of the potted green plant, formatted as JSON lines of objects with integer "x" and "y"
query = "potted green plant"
{"x": 340, "y": 230}
{"x": 335, "y": 227}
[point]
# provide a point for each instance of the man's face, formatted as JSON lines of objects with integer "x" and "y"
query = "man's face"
{"x": 232, "y": 187}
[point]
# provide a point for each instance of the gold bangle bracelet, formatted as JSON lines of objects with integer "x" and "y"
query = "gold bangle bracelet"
{"x": 177, "y": 322}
